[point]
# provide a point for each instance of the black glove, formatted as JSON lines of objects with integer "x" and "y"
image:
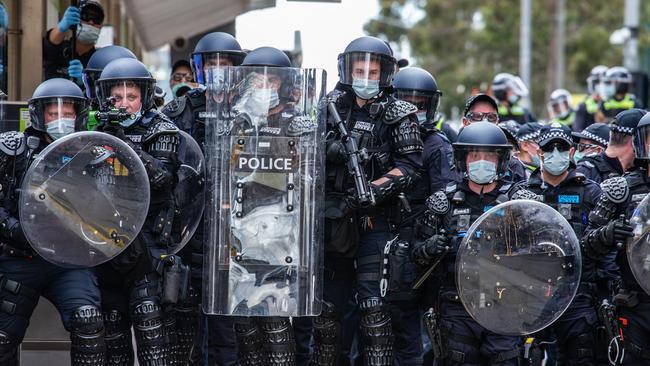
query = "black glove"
{"x": 436, "y": 245}
{"x": 616, "y": 232}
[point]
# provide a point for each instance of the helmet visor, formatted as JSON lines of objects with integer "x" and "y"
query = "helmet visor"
{"x": 366, "y": 67}
{"x": 64, "y": 112}
{"x": 424, "y": 101}
{"x": 202, "y": 62}
{"x": 642, "y": 143}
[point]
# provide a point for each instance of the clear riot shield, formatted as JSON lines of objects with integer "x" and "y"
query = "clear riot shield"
{"x": 638, "y": 247}
{"x": 263, "y": 241}
{"x": 189, "y": 193}
{"x": 83, "y": 199}
{"x": 518, "y": 267}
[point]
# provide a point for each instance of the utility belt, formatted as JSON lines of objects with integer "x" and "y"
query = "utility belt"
{"x": 11, "y": 251}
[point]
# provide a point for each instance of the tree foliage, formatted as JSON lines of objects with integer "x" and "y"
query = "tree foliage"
{"x": 463, "y": 43}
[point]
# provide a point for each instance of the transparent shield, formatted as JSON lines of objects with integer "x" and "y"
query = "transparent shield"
{"x": 189, "y": 193}
{"x": 518, "y": 268}
{"x": 84, "y": 199}
{"x": 638, "y": 247}
{"x": 263, "y": 243}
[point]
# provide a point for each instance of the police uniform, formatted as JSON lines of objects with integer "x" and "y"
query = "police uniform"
{"x": 516, "y": 113}
{"x": 585, "y": 114}
{"x": 613, "y": 106}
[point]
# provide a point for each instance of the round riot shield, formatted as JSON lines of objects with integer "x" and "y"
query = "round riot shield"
{"x": 189, "y": 193}
{"x": 518, "y": 267}
{"x": 265, "y": 138}
{"x": 84, "y": 199}
{"x": 638, "y": 247}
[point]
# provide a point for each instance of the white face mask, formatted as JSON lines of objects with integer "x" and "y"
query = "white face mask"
{"x": 261, "y": 100}
{"x": 87, "y": 34}
{"x": 60, "y": 127}
{"x": 482, "y": 171}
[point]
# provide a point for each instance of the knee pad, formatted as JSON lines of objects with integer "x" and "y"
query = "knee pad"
{"x": 327, "y": 333}
{"x": 150, "y": 333}
{"x": 117, "y": 336}
{"x": 185, "y": 329}
{"x": 279, "y": 341}
{"x": 8, "y": 349}
{"x": 87, "y": 336}
{"x": 376, "y": 333}
{"x": 249, "y": 342}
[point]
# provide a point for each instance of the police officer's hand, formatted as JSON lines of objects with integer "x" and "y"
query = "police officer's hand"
{"x": 617, "y": 231}
{"x": 71, "y": 17}
{"x": 75, "y": 69}
{"x": 436, "y": 245}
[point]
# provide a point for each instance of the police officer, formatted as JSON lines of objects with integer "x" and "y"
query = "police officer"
{"x": 559, "y": 185}
{"x": 418, "y": 87}
{"x": 61, "y": 57}
{"x": 589, "y": 106}
{"x": 483, "y": 108}
{"x": 615, "y": 94}
{"x": 619, "y": 155}
{"x": 131, "y": 283}
{"x": 388, "y": 130}
{"x": 91, "y": 73}
{"x": 481, "y": 153}
{"x": 216, "y": 49}
{"x": 608, "y": 231}
{"x": 57, "y": 108}
{"x": 592, "y": 141}
{"x": 509, "y": 90}
{"x": 560, "y": 109}
{"x": 527, "y": 141}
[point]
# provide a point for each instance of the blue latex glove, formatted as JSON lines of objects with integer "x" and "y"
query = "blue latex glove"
{"x": 75, "y": 69}
{"x": 72, "y": 16}
{"x": 4, "y": 19}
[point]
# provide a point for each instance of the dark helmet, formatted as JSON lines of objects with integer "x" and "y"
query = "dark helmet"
{"x": 417, "y": 86}
{"x": 127, "y": 72}
{"x": 58, "y": 98}
{"x": 620, "y": 77}
{"x": 367, "y": 49}
{"x": 267, "y": 56}
{"x": 482, "y": 136}
{"x": 98, "y": 61}
{"x": 211, "y": 48}
{"x": 642, "y": 137}
{"x": 503, "y": 82}
{"x": 596, "y": 74}
{"x": 276, "y": 62}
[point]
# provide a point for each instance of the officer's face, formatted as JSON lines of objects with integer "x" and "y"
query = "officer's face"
{"x": 363, "y": 69}
{"x": 490, "y": 156}
{"x": 483, "y": 108}
{"x": 268, "y": 81}
{"x": 216, "y": 61}
{"x": 127, "y": 96}
{"x": 588, "y": 147}
{"x": 420, "y": 102}
{"x": 53, "y": 112}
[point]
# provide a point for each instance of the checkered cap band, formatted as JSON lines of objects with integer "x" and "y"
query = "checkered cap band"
{"x": 551, "y": 134}
{"x": 529, "y": 136}
{"x": 591, "y": 136}
{"x": 621, "y": 129}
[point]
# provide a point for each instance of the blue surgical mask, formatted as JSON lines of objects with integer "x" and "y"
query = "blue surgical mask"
{"x": 130, "y": 121}
{"x": 365, "y": 88}
{"x": 556, "y": 162}
{"x": 482, "y": 172}
{"x": 535, "y": 159}
{"x": 513, "y": 99}
{"x": 422, "y": 116}
{"x": 60, "y": 127}
{"x": 87, "y": 34}
{"x": 577, "y": 156}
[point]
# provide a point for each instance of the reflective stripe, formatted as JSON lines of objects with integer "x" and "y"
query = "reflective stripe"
{"x": 591, "y": 105}
{"x": 515, "y": 110}
{"x": 626, "y": 103}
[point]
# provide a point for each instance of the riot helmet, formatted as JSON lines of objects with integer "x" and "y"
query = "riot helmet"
{"x": 559, "y": 104}
{"x": 367, "y": 66}
{"x": 128, "y": 84}
{"x": 504, "y": 83}
{"x": 619, "y": 79}
{"x": 418, "y": 87}
{"x": 595, "y": 76}
{"x": 58, "y": 107}
{"x": 215, "y": 49}
{"x": 482, "y": 152}
{"x": 642, "y": 137}
{"x": 98, "y": 61}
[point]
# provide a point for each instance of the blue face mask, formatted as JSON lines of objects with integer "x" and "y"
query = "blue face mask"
{"x": 513, "y": 99}
{"x": 556, "y": 162}
{"x": 365, "y": 88}
{"x": 535, "y": 159}
{"x": 130, "y": 121}
{"x": 482, "y": 172}
{"x": 422, "y": 116}
{"x": 577, "y": 156}
{"x": 60, "y": 127}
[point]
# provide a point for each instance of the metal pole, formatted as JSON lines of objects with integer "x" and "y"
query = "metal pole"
{"x": 631, "y": 47}
{"x": 560, "y": 40}
{"x": 525, "y": 42}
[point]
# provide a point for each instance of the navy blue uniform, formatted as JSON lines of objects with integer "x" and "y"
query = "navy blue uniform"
{"x": 574, "y": 198}
{"x": 467, "y": 342}
{"x": 600, "y": 167}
